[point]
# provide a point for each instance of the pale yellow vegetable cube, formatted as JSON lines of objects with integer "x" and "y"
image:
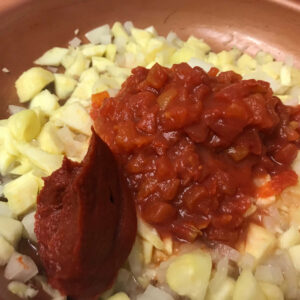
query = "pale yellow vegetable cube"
{"x": 80, "y": 64}
{"x": 118, "y": 30}
{"x": 5, "y": 210}
{"x": 75, "y": 116}
{"x": 185, "y": 54}
{"x": 49, "y": 140}
{"x": 147, "y": 251}
{"x": 285, "y": 75}
{"x": 247, "y": 288}
{"x": 21, "y": 193}
{"x": 150, "y": 234}
{"x": 24, "y": 166}
{"x": 6, "y": 161}
{"x": 294, "y": 253}
{"x": 259, "y": 243}
{"x": 6, "y": 250}
{"x": 64, "y": 85}
{"x": 213, "y": 58}
{"x": 41, "y": 159}
{"x": 24, "y": 125}
{"x": 101, "y": 63}
{"x": 141, "y": 37}
{"x": 86, "y": 83}
{"x": 188, "y": 275}
{"x": 198, "y": 43}
{"x": 263, "y": 58}
{"x": 69, "y": 58}
{"x": 119, "y": 296}
{"x": 225, "y": 58}
{"x": 271, "y": 291}
{"x": 31, "y": 82}
{"x": 28, "y": 223}
{"x": 273, "y": 69}
{"x": 46, "y": 101}
{"x": 11, "y": 230}
{"x": 289, "y": 238}
{"x": 111, "y": 51}
{"x": 246, "y": 62}
{"x": 91, "y": 50}
{"x": 22, "y": 290}
{"x": 223, "y": 292}
{"x": 99, "y": 86}
{"x": 52, "y": 57}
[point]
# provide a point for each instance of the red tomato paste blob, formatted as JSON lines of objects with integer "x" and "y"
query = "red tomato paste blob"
{"x": 191, "y": 144}
{"x": 85, "y": 224}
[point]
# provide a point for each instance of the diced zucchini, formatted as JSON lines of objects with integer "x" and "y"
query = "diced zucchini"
{"x": 11, "y": 230}
{"x": 31, "y": 82}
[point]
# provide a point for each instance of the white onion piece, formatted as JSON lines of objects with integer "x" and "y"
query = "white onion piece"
{"x": 196, "y": 62}
{"x": 54, "y": 294}
{"x": 75, "y": 42}
{"x": 128, "y": 25}
{"x": 13, "y": 109}
{"x": 222, "y": 250}
{"x": 153, "y": 293}
{"x": 246, "y": 261}
{"x": 220, "y": 275}
{"x": 22, "y": 290}
{"x": 20, "y": 267}
{"x": 28, "y": 223}
{"x": 100, "y": 35}
{"x": 269, "y": 273}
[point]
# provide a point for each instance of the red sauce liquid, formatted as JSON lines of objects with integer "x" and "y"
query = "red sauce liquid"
{"x": 192, "y": 142}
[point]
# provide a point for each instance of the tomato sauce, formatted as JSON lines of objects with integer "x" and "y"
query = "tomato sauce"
{"x": 191, "y": 144}
{"x": 85, "y": 224}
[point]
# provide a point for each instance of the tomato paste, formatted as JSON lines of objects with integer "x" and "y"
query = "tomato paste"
{"x": 85, "y": 224}
{"x": 191, "y": 144}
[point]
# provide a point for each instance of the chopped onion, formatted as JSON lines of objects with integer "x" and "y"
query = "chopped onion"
{"x": 246, "y": 261}
{"x": 135, "y": 258}
{"x": 220, "y": 274}
{"x": 22, "y": 290}
{"x": 13, "y": 109}
{"x": 28, "y": 223}
{"x": 128, "y": 25}
{"x": 20, "y": 267}
{"x": 153, "y": 293}
{"x": 196, "y": 62}
{"x": 269, "y": 273}
{"x": 100, "y": 35}
{"x": 5, "y": 70}
{"x": 75, "y": 42}
{"x": 222, "y": 250}
{"x": 55, "y": 294}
